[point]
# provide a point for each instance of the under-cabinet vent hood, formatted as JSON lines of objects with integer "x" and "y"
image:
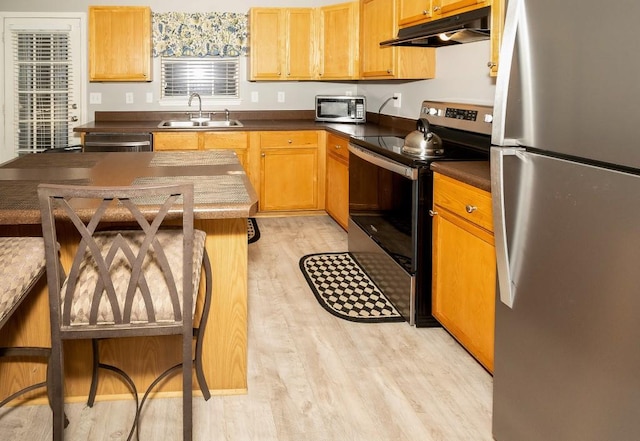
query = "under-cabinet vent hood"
{"x": 456, "y": 29}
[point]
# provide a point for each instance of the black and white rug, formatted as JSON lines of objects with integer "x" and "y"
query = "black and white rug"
{"x": 345, "y": 290}
{"x": 253, "y": 232}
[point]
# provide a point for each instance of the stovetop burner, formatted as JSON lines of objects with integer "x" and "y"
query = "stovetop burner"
{"x": 464, "y": 129}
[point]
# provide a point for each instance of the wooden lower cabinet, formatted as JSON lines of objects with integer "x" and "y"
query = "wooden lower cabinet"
{"x": 168, "y": 141}
{"x": 236, "y": 141}
{"x": 464, "y": 269}
{"x": 291, "y": 173}
{"x": 337, "y": 194}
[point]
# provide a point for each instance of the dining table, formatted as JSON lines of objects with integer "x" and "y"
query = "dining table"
{"x": 224, "y": 199}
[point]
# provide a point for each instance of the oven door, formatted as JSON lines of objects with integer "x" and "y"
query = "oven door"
{"x": 389, "y": 233}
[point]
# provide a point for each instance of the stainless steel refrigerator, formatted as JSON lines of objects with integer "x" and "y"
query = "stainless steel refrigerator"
{"x": 566, "y": 193}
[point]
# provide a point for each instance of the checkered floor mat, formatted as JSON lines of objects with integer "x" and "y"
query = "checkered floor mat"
{"x": 345, "y": 290}
{"x": 253, "y": 232}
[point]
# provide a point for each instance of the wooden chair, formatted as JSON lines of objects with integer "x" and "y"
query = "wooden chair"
{"x": 22, "y": 264}
{"x": 134, "y": 281}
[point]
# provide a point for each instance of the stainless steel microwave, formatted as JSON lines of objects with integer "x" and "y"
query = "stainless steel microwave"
{"x": 338, "y": 108}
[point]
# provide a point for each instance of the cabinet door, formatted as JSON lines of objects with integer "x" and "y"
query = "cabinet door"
{"x": 267, "y": 34}
{"x": 444, "y": 8}
{"x": 464, "y": 280}
{"x": 119, "y": 43}
{"x": 412, "y": 12}
{"x": 288, "y": 179}
{"x": 337, "y": 196}
{"x": 497, "y": 26}
{"x": 339, "y": 36}
{"x": 377, "y": 22}
{"x": 176, "y": 141}
{"x": 236, "y": 141}
{"x": 300, "y": 41}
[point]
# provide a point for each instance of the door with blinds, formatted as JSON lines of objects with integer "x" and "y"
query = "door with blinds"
{"x": 44, "y": 78}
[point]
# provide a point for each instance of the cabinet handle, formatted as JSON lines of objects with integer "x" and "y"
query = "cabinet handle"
{"x": 338, "y": 146}
{"x": 289, "y": 141}
{"x": 436, "y": 8}
{"x": 263, "y": 154}
{"x": 425, "y": 12}
{"x": 389, "y": 71}
{"x": 470, "y": 208}
{"x": 433, "y": 213}
{"x": 491, "y": 64}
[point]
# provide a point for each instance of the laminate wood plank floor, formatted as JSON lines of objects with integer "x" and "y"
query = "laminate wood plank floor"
{"x": 312, "y": 376}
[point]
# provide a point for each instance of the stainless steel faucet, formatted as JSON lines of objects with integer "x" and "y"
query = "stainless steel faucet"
{"x": 199, "y": 103}
{"x": 226, "y": 114}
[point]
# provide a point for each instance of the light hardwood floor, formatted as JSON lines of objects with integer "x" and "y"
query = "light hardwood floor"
{"x": 312, "y": 376}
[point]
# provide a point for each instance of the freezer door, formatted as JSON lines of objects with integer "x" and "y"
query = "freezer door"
{"x": 567, "y": 351}
{"x": 566, "y": 81}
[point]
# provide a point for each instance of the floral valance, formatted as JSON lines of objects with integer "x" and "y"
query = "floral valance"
{"x": 199, "y": 34}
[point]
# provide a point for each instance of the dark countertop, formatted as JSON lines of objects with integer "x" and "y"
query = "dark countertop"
{"x": 132, "y": 122}
{"x": 222, "y": 188}
{"x": 476, "y": 173}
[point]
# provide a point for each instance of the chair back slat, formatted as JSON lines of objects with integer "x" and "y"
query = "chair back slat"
{"x": 119, "y": 264}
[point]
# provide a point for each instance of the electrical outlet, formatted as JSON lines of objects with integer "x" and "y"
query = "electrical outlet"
{"x": 128, "y": 97}
{"x": 281, "y": 97}
{"x": 149, "y": 97}
{"x": 397, "y": 102}
{"x": 95, "y": 98}
{"x": 254, "y": 96}
{"x": 348, "y": 93}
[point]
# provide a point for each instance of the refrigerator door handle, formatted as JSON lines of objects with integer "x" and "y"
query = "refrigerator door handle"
{"x": 512, "y": 126}
{"x": 505, "y": 279}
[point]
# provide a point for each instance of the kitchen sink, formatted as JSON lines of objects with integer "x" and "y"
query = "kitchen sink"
{"x": 199, "y": 124}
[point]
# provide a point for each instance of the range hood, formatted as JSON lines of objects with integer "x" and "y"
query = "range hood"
{"x": 456, "y": 29}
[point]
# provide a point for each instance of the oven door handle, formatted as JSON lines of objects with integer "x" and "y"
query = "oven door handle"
{"x": 381, "y": 161}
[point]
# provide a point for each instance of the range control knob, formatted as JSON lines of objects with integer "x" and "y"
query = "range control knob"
{"x": 432, "y": 110}
{"x": 488, "y": 118}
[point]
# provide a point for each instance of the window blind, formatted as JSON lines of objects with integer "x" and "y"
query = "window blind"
{"x": 43, "y": 80}
{"x": 209, "y": 77}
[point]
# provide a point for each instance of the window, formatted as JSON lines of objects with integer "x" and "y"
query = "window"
{"x": 43, "y": 83}
{"x": 214, "y": 78}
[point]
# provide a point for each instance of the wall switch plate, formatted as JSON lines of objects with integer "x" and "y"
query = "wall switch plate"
{"x": 397, "y": 102}
{"x": 281, "y": 97}
{"x": 348, "y": 93}
{"x": 128, "y": 97}
{"x": 95, "y": 98}
{"x": 149, "y": 97}
{"x": 254, "y": 96}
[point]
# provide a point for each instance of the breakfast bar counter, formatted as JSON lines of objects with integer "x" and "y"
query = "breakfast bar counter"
{"x": 224, "y": 199}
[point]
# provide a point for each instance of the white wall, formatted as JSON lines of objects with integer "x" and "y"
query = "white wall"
{"x": 461, "y": 72}
{"x": 462, "y": 75}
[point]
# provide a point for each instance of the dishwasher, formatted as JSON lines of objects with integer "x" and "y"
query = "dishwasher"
{"x": 118, "y": 142}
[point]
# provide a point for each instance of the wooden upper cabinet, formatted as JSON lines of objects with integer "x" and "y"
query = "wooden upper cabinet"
{"x": 497, "y": 27}
{"x": 339, "y": 37}
{"x": 378, "y": 23}
{"x": 119, "y": 43}
{"x": 300, "y": 52}
{"x": 412, "y": 12}
{"x": 444, "y": 8}
{"x": 281, "y": 43}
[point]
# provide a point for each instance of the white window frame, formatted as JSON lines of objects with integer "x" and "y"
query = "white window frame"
{"x": 206, "y": 100}
{"x": 7, "y": 149}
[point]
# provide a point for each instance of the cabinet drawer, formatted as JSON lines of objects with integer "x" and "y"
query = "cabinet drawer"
{"x": 175, "y": 141}
{"x": 225, "y": 140}
{"x": 464, "y": 200}
{"x": 288, "y": 139}
{"x": 337, "y": 146}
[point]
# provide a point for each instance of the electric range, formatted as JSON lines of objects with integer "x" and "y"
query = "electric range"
{"x": 390, "y": 195}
